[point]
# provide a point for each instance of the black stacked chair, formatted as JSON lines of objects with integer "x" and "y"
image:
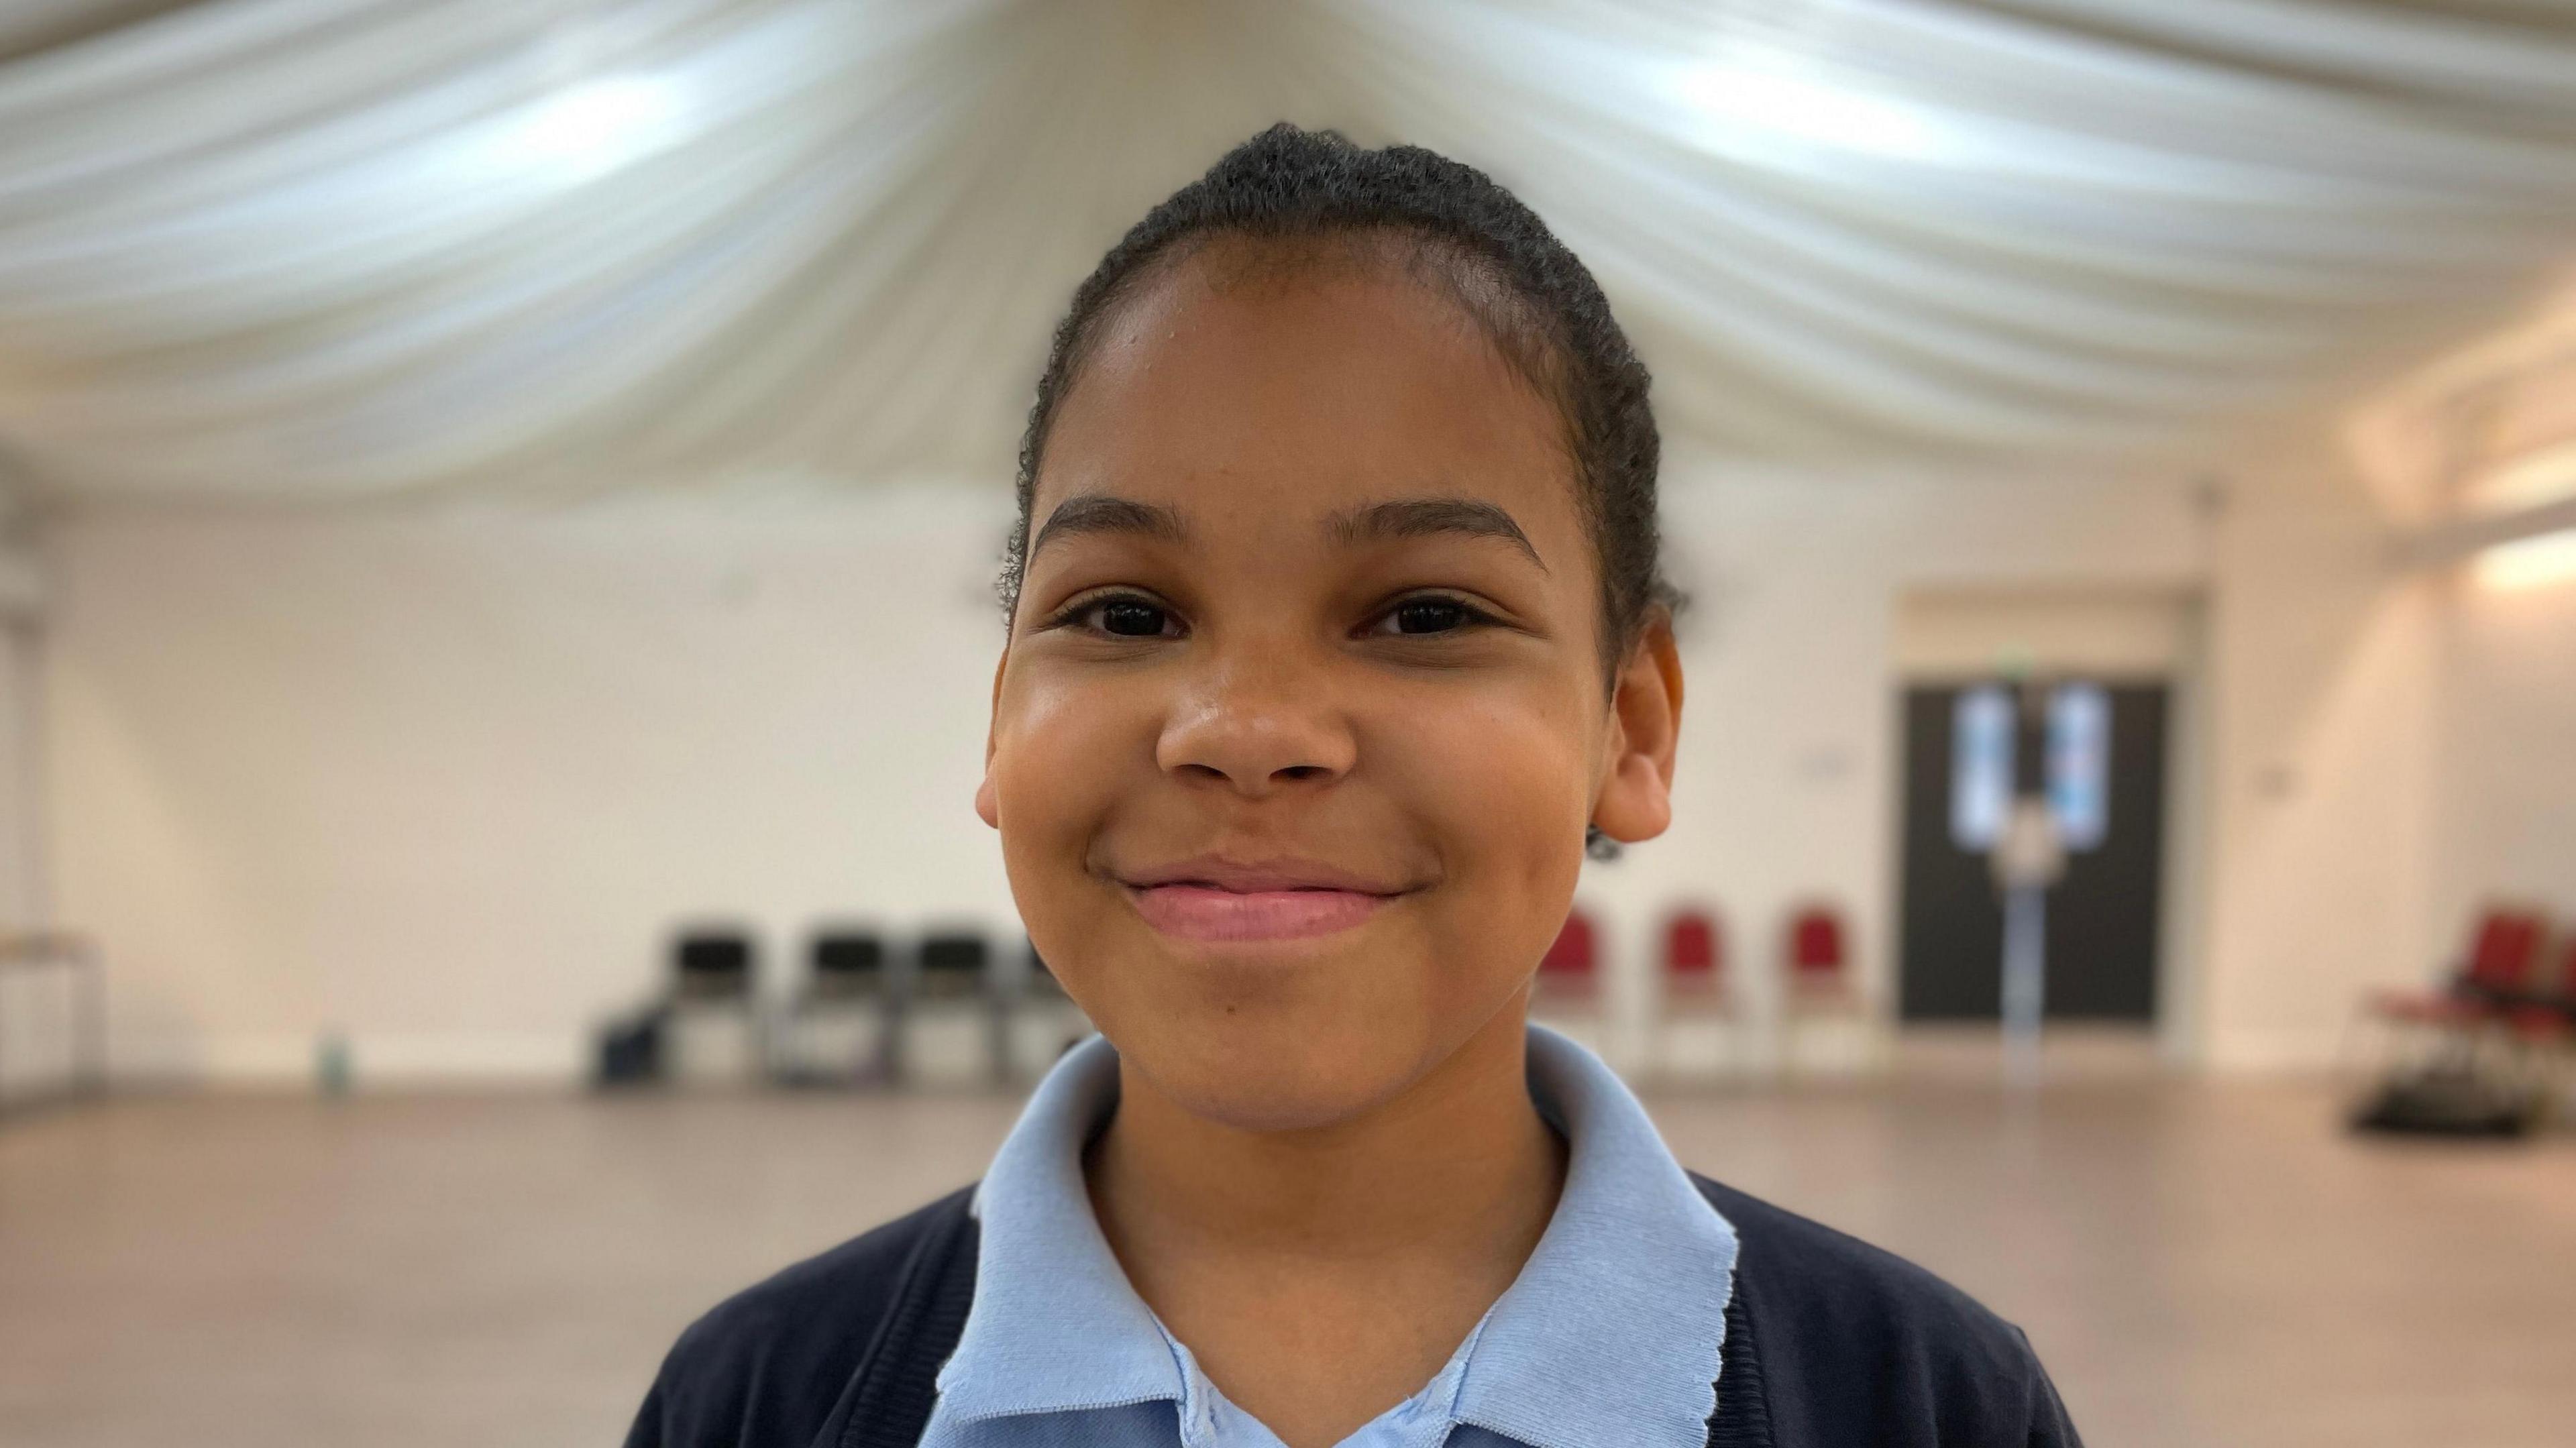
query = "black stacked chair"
{"x": 954, "y": 966}
{"x": 714, "y": 972}
{"x": 953, "y": 969}
{"x": 716, "y": 1032}
{"x": 846, "y": 1026}
{"x": 712, "y": 965}
{"x": 847, "y": 964}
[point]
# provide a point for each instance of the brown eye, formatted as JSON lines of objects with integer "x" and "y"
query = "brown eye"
{"x": 1130, "y": 618}
{"x": 1430, "y": 616}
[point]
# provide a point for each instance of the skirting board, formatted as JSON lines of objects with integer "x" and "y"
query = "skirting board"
{"x": 388, "y": 1060}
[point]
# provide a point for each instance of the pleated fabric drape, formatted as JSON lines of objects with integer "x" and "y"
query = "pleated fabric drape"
{"x": 336, "y": 248}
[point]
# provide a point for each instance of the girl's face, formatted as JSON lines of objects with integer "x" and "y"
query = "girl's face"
{"x": 1302, "y": 719}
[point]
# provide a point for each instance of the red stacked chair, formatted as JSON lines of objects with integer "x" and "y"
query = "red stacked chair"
{"x": 1819, "y": 957}
{"x": 1694, "y": 959}
{"x": 2549, "y": 1017}
{"x": 2488, "y": 987}
{"x": 2487, "y": 1075}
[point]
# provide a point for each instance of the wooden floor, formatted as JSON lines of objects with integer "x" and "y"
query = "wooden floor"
{"x": 2199, "y": 1263}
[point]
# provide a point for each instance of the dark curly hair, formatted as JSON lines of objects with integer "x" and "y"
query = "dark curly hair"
{"x": 1456, "y": 228}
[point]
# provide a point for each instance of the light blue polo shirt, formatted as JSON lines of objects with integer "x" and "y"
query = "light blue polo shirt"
{"x": 1609, "y": 1338}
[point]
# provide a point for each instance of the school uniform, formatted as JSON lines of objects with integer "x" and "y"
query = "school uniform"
{"x": 1659, "y": 1310}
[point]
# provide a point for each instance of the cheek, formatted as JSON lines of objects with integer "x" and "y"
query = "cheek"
{"x": 1041, "y": 733}
{"x": 1504, "y": 787}
{"x": 1064, "y": 755}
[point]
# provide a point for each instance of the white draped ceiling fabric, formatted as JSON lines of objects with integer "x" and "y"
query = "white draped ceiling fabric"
{"x": 335, "y": 248}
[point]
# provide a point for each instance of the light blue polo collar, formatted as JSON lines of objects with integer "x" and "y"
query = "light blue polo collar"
{"x": 1609, "y": 1338}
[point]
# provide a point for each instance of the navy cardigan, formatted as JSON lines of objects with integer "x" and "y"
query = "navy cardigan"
{"x": 1829, "y": 1342}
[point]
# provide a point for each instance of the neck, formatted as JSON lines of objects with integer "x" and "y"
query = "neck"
{"x": 1459, "y": 1165}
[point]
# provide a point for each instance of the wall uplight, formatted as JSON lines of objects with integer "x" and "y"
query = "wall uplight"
{"x": 2542, "y": 476}
{"x": 2537, "y": 562}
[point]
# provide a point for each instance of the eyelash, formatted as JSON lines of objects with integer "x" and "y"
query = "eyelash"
{"x": 1074, "y": 614}
{"x": 1470, "y": 615}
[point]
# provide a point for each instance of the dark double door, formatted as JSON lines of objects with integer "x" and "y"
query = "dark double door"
{"x": 2102, "y": 917}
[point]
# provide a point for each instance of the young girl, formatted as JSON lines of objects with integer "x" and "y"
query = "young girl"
{"x": 1335, "y": 633}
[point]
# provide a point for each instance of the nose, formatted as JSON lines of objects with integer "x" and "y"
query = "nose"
{"x": 1259, "y": 719}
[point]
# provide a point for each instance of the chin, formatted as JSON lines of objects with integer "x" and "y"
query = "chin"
{"x": 1285, "y": 1060}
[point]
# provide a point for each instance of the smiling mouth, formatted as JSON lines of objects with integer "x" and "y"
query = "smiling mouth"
{"x": 1216, "y": 901}
{"x": 1205, "y": 912}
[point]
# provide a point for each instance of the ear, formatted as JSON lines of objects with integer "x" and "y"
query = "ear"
{"x": 1635, "y": 801}
{"x": 986, "y": 804}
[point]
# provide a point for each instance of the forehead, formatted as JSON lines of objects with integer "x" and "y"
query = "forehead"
{"x": 1238, "y": 385}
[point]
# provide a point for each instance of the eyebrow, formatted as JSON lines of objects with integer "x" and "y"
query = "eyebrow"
{"x": 1400, "y": 518}
{"x": 1425, "y": 517}
{"x": 1098, "y": 513}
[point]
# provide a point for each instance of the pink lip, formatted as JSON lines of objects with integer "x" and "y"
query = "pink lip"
{"x": 1194, "y": 910}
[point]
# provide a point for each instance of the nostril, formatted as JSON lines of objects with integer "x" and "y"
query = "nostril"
{"x": 1300, "y": 771}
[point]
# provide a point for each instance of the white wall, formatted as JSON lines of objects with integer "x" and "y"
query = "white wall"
{"x": 2403, "y": 753}
{"x": 2506, "y": 721}
{"x": 444, "y": 778}
{"x": 23, "y": 590}
{"x": 38, "y": 1007}
{"x": 2319, "y": 776}
{"x": 22, "y": 881}
{"x": 2402, "y": 742}
{"x": 1949, "y": 636}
